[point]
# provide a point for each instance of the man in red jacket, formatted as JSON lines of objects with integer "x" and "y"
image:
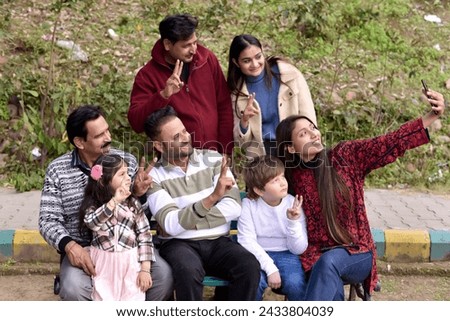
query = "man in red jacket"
{"x": 187, "y": 76}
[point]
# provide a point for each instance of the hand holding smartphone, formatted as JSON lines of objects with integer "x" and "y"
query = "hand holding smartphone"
{"x": 425, "y": 87}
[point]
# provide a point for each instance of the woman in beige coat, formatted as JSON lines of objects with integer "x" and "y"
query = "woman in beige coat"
{"x": 264, "y": 92}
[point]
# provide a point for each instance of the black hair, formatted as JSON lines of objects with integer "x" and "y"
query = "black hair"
{"x": 76, "y": 122}
{"x": 178, "y": 27}
{"x": 156, "y": 120}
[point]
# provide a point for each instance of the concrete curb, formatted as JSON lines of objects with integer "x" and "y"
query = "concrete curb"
{"x": 25, "y": 246}
{"x": 412, "y": 245}
{"x": 437, "y": 268}
{"x": 392, "y": 246}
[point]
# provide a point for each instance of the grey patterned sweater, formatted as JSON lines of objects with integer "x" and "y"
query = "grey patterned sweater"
{"x": 65, "y": 180}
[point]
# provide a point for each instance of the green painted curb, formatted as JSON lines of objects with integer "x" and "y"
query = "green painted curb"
{"x": 6, "y": 243}
{"x": 440, "y": 245}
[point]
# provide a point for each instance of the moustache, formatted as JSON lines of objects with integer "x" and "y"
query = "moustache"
{"x": 185, "y": 144}
{"x": 106, "y": 144}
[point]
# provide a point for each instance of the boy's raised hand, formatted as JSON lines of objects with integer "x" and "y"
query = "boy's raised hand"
{"x": 295, "y": 211}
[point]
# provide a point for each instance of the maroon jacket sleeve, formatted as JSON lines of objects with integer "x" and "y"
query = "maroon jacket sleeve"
{"x": 145, "y": 96}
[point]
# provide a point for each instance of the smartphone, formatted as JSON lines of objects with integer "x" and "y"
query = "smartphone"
{"x": 425, "y": 87}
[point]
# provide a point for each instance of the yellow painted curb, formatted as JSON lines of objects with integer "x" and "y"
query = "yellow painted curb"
{"x": 407, "y": 245}
{"x": 30, "y": 246}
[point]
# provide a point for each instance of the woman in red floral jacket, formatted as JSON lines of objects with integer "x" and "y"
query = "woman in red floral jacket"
{"x": 341, "y": 249}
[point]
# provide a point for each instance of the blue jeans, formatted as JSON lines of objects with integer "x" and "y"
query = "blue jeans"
{"x": 335, "y": 268}
{"x": 292, "y": 276}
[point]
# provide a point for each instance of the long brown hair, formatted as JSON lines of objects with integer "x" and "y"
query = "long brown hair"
{"x": 330, "y": 185}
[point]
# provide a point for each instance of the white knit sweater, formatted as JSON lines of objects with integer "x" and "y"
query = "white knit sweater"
{"x": 262, "y": 228}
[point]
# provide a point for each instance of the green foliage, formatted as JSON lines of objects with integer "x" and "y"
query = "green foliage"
{"x": 23, "y": 182}
{"x": 8, "y": 263}
{"x": 312, "y": 17}
{"x": 376, "y": 51}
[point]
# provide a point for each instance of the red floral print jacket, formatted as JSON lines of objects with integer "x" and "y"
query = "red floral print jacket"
{"x": 353, "y": 160}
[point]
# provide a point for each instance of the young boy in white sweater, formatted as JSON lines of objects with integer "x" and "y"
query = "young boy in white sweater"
{"x": 272, "y": 226}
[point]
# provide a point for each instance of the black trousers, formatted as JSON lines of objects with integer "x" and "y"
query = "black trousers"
{"x": 192, "y": 260}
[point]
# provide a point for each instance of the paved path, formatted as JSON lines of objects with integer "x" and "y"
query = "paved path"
{"x": 406, "y": 226}
{"x": 387, "y": 209}
{"x": 19, "y": 211}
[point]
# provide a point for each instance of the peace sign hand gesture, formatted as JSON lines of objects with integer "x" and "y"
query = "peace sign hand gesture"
{"x": 249, "y": 111}
{"x": 143, "y": 180}
{"x": 295, "y": 211}
{"x": 224, "y": 184}
{"x": 174, "y": 83}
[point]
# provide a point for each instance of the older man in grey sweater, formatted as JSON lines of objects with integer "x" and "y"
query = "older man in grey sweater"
{"x": 62, "y": 194}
